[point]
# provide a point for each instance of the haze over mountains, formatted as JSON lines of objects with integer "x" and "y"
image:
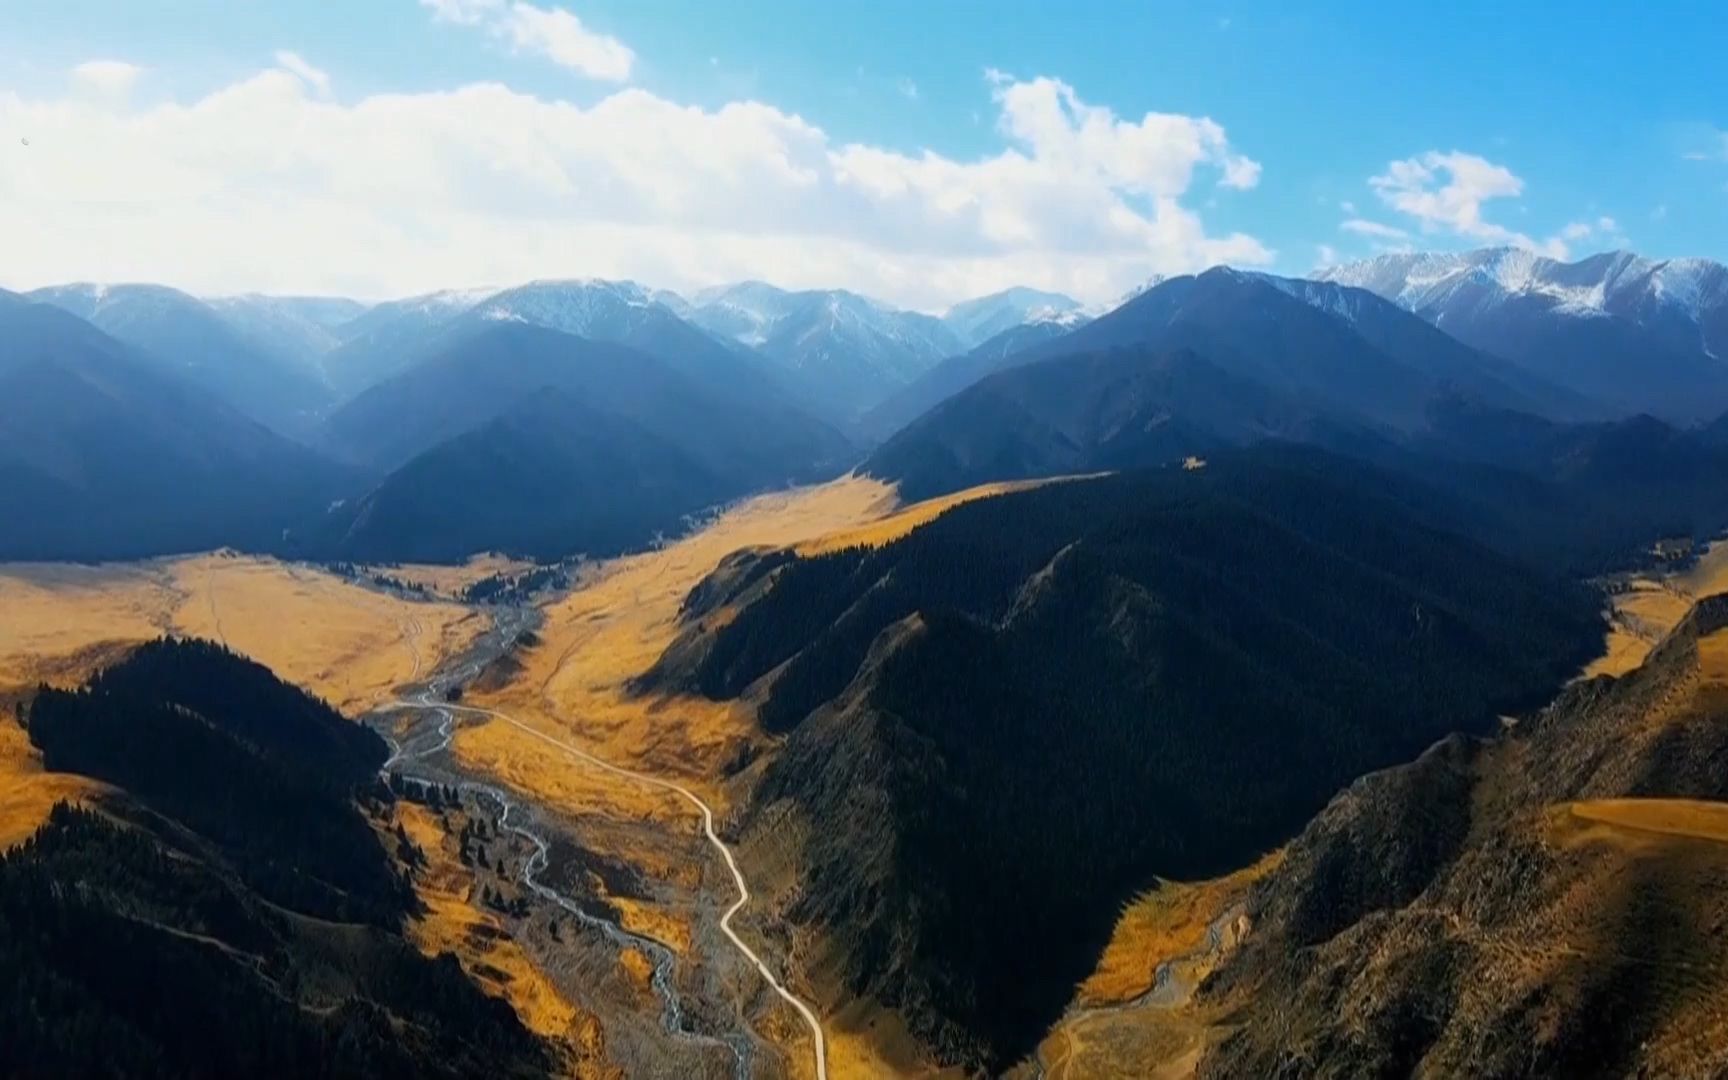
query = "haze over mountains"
{"x": 751, "y": 386}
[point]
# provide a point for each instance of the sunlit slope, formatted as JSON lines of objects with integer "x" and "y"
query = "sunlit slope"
{"x": 351, "y": 645}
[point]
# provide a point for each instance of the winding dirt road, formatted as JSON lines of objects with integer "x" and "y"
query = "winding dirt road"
{"x": 809, "y": 1015}
{"x": 430, "y": 699}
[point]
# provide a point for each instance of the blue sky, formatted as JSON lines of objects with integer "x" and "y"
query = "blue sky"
{"x": 1468, "y": 125}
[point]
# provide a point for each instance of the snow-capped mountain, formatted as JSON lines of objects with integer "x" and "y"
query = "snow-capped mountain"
{"x": 1637, "y": 334}
{"x": 1106, "y": 308}
{"x": 845, "y": 352}
{"x": 625, "y": 313}
{"x": 189, "y": 337}
{"x": 302, "y": 328}
{"x": 590, "y": 308}
{"x": 977, "y": 321}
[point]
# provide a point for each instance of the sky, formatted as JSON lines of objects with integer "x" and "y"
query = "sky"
{"x": 921, "y": 153}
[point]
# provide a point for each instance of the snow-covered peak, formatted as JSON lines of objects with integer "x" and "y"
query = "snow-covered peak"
{"x": 447, "y": 302}
{"x": 1095, "y": 310}
{"x": 589, "y": 307}
{"x": 1600, "y": 284}
{"x": 86, "y": 299}
{"x": 976, "y": 321}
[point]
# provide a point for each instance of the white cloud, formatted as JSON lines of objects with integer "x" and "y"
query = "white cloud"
{"x": 1376, "y": 229}
{"x": 296, "y": 65}
{"x": 553, "y": 33}
{"x": 908, "y": 89}
{"x": 1603, "y": 230}
{"x": 111, "y": 79}
{"x": 264, "y": 184}
{"x": 1446, "y": 193}
{"x": 1325, "y": 257}
{"x": 560, "y": 37}
{"x": 462, "y": 12}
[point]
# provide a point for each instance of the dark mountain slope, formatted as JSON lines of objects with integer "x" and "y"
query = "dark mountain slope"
{"x": 545, "y": 479}
{"x": 955, "y": 374}
{"x": 1002, "y": 725}
{"x": 188, "y": 339}
{"x": 106, "y": 457}
{"x": 259, "y": 768}
{"x": 1547, "y": 904}
{"x": 1082, "y": 413}
{"x": 1342, "y": 351}
{"x": 186, "y": 930}
{"x": 389, "y": 338}
{"x": 1580, "y": 496}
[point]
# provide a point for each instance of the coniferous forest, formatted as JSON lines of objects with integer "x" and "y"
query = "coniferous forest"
{"x": 235, "y": 914}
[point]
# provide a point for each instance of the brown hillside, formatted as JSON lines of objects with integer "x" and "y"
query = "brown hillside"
{"x": 1548, "y": 903}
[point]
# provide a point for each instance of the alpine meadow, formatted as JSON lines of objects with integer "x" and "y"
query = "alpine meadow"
{"x": 786, "y": 541}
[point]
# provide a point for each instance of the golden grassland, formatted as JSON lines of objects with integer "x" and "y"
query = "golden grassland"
{"x": 1167, "y": 921}
{"x": 1652, "y": 604}
{"x": 892, "y": 526}
{"x": 1110, "y": 1031}
{"x": 574, "y": 685}
{"x": 450, "y": 581}
{"x": 865, "y": 1039}
{"x": 1694, "y": 818}
{"x": 26, "y": 792}
{"x": 351, "y": 645}
{"x": 452, "y": 924}
{"x": 618, "y": 622}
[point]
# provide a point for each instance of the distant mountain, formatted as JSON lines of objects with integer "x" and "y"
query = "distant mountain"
{"x": 1639, "y": 335}
{"x": 556, "y": 443}
{"x": 300, "y": 328}
{"x": 958, "y": 372}
{"x": 1192, "y": 363}
{"x": 1543, "y": 903}
{"x": 1087, "y": 413}
{"x": 547, "y": 478}
{"x": 192, "y": 340}
{"x": 842, "y": 351}
{"x": 486, "y": 368}
{"x": 105, "y": 455}
{"x": 1341, "y": 351}
{"x": 1021, "y": 714}
{"x": 625, "y": 313}
{"x": 976, "y": 321}
{"x": 388, "y": 338}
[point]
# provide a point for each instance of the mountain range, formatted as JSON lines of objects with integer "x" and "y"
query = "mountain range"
{"x": 750, "y": 386}
{"x": 1638, "y": 334}
{"x": 107, "y": 454}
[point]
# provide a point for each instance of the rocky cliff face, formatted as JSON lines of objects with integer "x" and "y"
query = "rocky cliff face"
{"x": 1548, "y": 903}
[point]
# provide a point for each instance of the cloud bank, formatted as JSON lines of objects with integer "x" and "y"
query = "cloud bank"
{"x": 275, "y": 182}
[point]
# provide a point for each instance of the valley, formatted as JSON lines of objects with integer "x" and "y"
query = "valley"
{"x": 619, "y": 904}
{"x": 556, "y": 540}
{"x": 1034, "y": 745}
